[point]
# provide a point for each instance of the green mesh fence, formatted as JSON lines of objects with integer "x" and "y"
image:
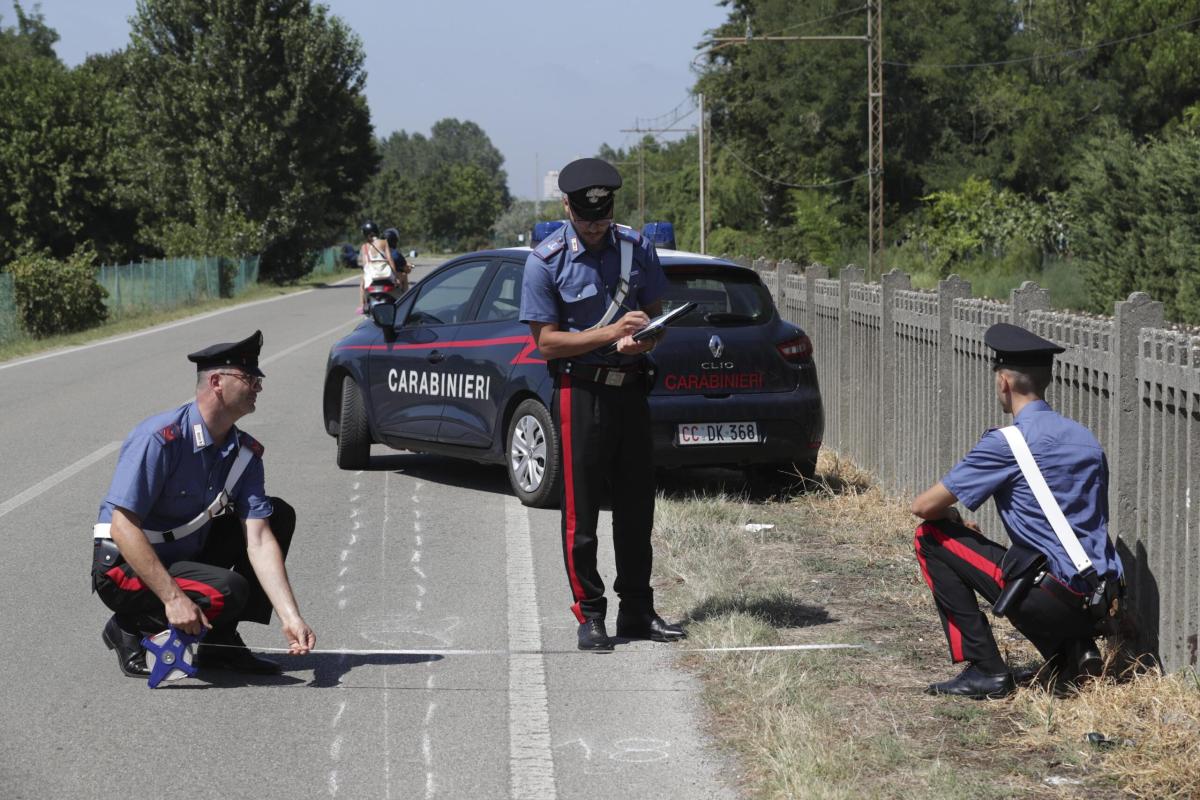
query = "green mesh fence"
{"x": 329, "y": 262}
{"x": 10, "y": 324}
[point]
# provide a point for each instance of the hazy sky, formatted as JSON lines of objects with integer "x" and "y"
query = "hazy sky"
{"x": 547, "y": 81}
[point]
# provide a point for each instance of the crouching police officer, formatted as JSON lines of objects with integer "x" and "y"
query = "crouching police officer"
{"x": 590, "y": 285}
{"x": 187, "y": 535}
{"x": 1059, "y": 582}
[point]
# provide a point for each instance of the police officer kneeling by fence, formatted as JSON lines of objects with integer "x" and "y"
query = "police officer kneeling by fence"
{"x": 1060, "y": 582}
{"x": 587, "y": 287}
{"x": 187, "y": 535}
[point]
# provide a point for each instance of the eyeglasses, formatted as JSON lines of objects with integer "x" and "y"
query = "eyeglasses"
{"x": 253, "y": 381}
{"x": 591, "y": 225}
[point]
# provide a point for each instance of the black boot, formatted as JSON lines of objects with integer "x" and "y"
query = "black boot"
{"x": 975, "y": 683}
{"x": 593, "y": 636}
{"x": 231, "y": 653}
{"x": 644, "y": 623}
{"x": 131, "y": 656}
{"x": 1081, "y": 660}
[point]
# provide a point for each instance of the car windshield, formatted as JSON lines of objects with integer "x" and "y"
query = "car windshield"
{"x": 722, "y": 296}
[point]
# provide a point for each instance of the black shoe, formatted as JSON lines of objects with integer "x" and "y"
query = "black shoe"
{"x": 232, "y": 654}
{"x": 131, "y": 656}
{"x": 648, "y": 626}
{"x": 975, "y": 683}
{"x": 592, "y": 636}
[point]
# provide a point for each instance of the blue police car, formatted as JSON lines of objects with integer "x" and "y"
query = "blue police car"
{"x": 455, "y": 373}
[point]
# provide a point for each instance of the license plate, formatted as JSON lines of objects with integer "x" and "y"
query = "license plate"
{"x": 718, "y": 433}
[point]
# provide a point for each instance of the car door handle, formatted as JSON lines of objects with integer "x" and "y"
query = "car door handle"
{"x": 435, "y": 357}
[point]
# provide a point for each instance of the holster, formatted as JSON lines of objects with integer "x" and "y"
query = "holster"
{"x": 105, "y": 556}
{"x": 1021, "y": 569}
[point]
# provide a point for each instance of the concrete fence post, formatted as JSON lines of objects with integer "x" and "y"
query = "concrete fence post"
{"x": 1028, "y": 297}
{"x": 951, "y": 289}
{"x": 888, "y": 353}
{"x": 1130, "y": 317}
{"x": 783, "y": 269}
{"x": 849, "y": 274}
{"x": 814, "y": 273}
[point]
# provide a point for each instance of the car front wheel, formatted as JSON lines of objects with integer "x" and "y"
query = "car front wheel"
{"x": 354, "y": 437}
{"x": 534, "y": 462}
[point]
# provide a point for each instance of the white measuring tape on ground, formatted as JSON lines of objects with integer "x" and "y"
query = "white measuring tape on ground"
{"x": 772, "y": 648}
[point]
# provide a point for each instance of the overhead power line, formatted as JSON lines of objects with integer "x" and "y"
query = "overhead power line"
{"x": 779, "y": 181}
{"x": 1060, "y": 54}
{"x": 804, "y": 24}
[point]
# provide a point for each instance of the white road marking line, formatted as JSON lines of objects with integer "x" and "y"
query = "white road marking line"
{"x": 57, "y": 478}
{"x": 160, "y": 328}
{"x": 383, "y": 585}
{"x": 531, "y": 761}
{"x": 629, "y": 651}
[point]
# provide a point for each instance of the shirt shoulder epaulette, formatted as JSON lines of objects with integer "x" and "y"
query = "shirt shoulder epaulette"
{"x": 548, "y": 248}
{"x": 627, "y": 233}
{"x": 247, "y": 440}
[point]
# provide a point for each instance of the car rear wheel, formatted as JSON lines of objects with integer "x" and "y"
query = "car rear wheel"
{"x": 354, "y": 437}
{"x": 534, "y": 463}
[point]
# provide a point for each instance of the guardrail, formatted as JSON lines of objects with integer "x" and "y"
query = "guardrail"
{"x": 907, "y": 386}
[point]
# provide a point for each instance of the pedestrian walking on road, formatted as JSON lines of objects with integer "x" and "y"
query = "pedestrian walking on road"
{"x": 1060, "y": 581}
{"x": 187, "y": 536}
{"x": 587, "y": 289}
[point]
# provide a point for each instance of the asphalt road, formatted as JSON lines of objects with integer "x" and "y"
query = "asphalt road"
{"x": 417, "y": 553}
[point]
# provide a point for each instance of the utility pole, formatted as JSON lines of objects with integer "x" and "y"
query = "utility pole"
{"x": 641, "y": 185}
{"x": 703, "y": 193}
{"x": 874, "y": 42}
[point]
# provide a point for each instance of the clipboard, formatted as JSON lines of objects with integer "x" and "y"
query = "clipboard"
{"x": 657, "y": 325}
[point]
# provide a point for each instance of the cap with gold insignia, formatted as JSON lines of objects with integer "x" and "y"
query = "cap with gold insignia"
{"x": 243, "y": 355}
{"x": 589, "y": 184}
{"x": 1017, "y": 347}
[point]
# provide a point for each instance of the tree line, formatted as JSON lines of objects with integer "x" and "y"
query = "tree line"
{"x": 1017, "y": 135}
{"x": 225, "y": 127}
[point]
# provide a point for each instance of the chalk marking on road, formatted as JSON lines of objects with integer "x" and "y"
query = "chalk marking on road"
{"x": 160, "y": 328}
{"x": 24, "y": 497}
{"x": 338, "y": 716}
{"x": 531, "y": 760}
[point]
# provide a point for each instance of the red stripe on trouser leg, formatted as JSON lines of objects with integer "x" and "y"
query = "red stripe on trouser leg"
{"x": 968, "y": 555}
{"x": 953, "y": 633}
{"x": 568, "y": 451}
{"x": 216, "y": 600}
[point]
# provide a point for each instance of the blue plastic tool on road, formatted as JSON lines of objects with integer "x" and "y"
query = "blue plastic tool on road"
{"x": 169, "y": 655}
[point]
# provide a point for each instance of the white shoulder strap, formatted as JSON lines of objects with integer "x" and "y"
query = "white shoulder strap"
{"x": 622, "y": 284}
{"x": 1045, "y": 498}
{"x": 103, "y": 530}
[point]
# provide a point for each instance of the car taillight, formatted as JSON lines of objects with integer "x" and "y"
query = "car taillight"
{"x": 796, "y": 350}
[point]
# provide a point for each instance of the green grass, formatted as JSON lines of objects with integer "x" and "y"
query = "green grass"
{"x": 20, "y": 348}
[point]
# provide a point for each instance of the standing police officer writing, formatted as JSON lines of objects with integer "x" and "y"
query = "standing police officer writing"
{"x": 588, "y": 286}
{"x": 164, "y": 542}
{"x": 1059, "y": 581}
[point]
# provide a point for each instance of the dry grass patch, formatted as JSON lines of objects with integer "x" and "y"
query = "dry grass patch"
{"x": 837, "y": 567}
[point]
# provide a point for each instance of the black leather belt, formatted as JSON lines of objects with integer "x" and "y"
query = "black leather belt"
{"x": 608, "y": 376}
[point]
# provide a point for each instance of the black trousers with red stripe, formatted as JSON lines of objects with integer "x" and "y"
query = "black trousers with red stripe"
{"x": 220, "y": 581}
{"x": 607, "y": 450}
{"x": 959, "y": 563}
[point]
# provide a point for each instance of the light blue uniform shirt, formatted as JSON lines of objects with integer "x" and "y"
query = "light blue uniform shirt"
{"x": 169, "y": 470}
{"x": 1075, "y": 469}
{"x": 566, "y": 284}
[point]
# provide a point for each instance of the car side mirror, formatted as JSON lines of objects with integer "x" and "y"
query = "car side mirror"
{"x": 384, "y": 315}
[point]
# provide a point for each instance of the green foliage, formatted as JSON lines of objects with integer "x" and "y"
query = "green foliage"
{"x": 249, "y": 110}
{"x": 55, "y": 296}
{"x": 1137, "y": 206}
{"x": 420, "y": 185}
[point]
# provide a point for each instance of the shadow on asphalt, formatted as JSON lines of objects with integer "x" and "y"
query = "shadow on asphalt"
{"x": 328, "y": 670}
{"x": 490, "y": 478}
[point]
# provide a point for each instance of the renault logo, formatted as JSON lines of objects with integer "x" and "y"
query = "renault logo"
{"x": 716, "y": 346}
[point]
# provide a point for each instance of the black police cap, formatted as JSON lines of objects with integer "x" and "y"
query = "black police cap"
{"x": 243, "y": 355}
{"x": 589, "y": 184}
{"x": 1017, "y": 347}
